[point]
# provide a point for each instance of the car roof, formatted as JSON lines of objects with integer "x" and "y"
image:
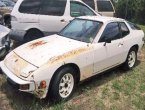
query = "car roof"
{"x": 103, "y": 19}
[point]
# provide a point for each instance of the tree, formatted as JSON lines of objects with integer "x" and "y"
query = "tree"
{"x": 131, "y": 10}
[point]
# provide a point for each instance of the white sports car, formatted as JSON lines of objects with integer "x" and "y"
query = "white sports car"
{"x": 87, "y": 46}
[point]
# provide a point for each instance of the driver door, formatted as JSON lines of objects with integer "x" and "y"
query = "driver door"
{"x": 111, "y": 53}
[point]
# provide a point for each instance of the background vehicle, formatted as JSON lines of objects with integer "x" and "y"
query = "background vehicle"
{"x": 87, "y": 46}
{"x": 1, "y": 22}
{"x": 104, "y": 7}
{"x": 6, "y": 7}
{"x": 4, "y": 41}
{"x": 43, "y": 18}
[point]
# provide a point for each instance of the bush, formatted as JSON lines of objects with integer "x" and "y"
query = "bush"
{"x": 132, "y": 10}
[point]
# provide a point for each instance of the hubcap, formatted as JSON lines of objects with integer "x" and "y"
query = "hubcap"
{"x": 131, "y": 59}
{"x": 66, "y": 85}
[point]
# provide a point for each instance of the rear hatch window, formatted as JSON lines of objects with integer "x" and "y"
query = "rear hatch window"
{"x": 30, "y": 6}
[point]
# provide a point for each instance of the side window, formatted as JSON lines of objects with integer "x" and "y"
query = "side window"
{"x": 53, "y": 7}
{"x": 78, "y": 9}
{"x": 124, "y": 29}
{"x": 30, "y": 6}
{"x": 90, "y": 3}
{"x": 104, "y": 6}
{"x": 111, "y": 32}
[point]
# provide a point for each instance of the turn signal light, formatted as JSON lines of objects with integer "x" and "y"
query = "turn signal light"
{"x": 43, "y": 84}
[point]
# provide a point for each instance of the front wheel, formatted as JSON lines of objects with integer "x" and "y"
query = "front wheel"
{"x": 131, "y": 59}
{"x": 63, "y": 84}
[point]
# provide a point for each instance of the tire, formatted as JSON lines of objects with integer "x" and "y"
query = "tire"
{"x": 32, "y": 35}
{"x": 63, "y": 85}
{"x": 131, "y": 59}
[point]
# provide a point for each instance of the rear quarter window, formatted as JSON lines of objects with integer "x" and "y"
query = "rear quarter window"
{"x": 104, "y": 6}
{"x": 30, "y": 6}
{"x": 124, "y": 29}
{"x": 53, "y": 7}
{"x": 79, "y": 9}
{"x": 90, "y": 3}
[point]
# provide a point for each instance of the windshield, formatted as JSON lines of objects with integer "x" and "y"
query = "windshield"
{"x": 82, "y": 30}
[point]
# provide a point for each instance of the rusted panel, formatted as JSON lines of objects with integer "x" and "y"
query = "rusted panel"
{"x": 86, "y": 72}
{"x": 36, "y": 44}
{"x": 69, "y": 54}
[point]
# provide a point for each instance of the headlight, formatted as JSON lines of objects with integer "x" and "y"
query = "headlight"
{"x": 28, "y": 70}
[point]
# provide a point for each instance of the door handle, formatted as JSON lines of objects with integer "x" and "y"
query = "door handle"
{"x": 63, "y": 20}
{"x": 120, "y": 44}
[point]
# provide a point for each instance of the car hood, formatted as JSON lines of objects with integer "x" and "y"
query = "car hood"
{"x": 40, "y": 51}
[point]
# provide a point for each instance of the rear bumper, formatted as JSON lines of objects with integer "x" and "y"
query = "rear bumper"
{"x": 15, "y": 81}
{"x": 17, "y": 35}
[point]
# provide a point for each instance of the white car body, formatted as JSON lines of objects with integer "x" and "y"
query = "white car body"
{"x": 38, "y": 60}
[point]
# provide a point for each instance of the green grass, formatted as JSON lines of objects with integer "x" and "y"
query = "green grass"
{"x": 142, "y": 27}
{"x": 114, "y": 90}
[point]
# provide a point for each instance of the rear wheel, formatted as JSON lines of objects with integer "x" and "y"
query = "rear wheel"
{"x": 131, "y": 59}
{"x": 63, "y": 84}
{"x": 32, "y": 35}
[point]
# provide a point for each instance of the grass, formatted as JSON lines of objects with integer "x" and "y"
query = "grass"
{"x": 142, "y": 27}
{"x": 114, "y": 90}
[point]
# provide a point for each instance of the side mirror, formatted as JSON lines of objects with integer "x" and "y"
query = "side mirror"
{"x": 107, "y": 40}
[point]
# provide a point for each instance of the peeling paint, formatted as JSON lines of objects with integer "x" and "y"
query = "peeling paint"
{"x": 86, "y": 72}
{"x": 36, "y": 44}
{"x": 69, "y": 54}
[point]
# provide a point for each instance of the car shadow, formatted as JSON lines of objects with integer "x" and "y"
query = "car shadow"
{"x": 27, "y": 101}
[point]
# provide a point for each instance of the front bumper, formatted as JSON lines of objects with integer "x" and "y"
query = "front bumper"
{"x": 14, "y": 80}
{"x": 17, "y": 83}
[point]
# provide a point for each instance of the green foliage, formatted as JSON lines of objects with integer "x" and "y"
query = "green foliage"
{"x": 131, "y": 9}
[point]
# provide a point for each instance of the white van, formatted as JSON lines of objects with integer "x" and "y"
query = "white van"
{"x": 104, "y": 7}
{"x": 32, "y": 19}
